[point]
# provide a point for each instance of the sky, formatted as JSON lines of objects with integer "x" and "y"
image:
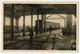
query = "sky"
{"x": 28, "y": 19}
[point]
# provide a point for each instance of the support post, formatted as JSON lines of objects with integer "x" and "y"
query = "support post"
{"x": 12, "y": 22}
{"x": 69, "y": 24}
{"x": 4, "y": 24}
{"x": 17, "y": 23}
{"x": 23, "y": 20}
{"x": 42, "y": 22}
{"x": 65, "y": 23}
{"x": 31, "y": 30}
{"x": 37, "y": 22}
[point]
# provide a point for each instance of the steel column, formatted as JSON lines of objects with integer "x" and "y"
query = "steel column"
{"x": 12, "y": 22}
{"x": 32, "y": 19}
{"x": 4, "y": 23}
{"x": 31, "y": 30}
{"x": 42, "y": 22}
{"x": 69, "y": 23}
{"x": 37, "y": 22}
{"x": 65, "y": 22}
{"x": 23, "y": 20}
{"x": 17, "y": 23}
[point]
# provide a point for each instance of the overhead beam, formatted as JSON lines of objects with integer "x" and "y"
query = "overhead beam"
{"x": 56, "y": 18}
{"x": 61, "y": 16}
{"x": 50, "y": 10}
{"x": 49, "y": 16}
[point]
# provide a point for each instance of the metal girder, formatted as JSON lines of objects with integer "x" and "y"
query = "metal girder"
{"x": 49, "y": 16}
{"x": 43, "y": 8}
{"x": 61, "y": 16}
{"x": 56, "y": 18}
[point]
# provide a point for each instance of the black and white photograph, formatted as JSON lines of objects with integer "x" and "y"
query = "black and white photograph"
{"x": 40, "y": 26}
